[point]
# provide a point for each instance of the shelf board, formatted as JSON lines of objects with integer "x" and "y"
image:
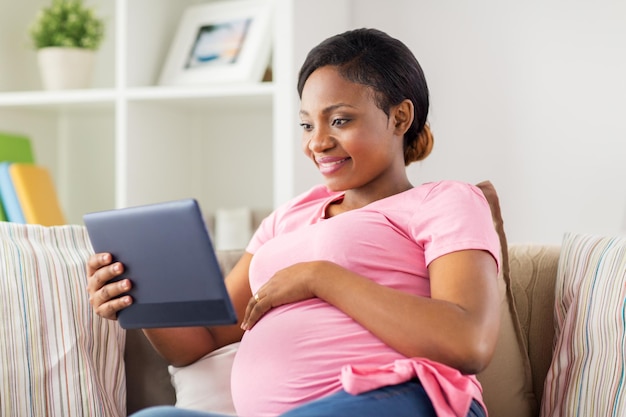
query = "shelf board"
{"x": 252, "y": 94}
{"x": 222, "y": 95}
{"x": 58, "y": 99}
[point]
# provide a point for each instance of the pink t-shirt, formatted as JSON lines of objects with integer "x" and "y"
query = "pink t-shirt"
{"x": 297, "y": 352}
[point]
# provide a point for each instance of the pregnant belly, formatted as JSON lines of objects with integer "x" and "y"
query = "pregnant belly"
{"x": 295, "y": 353}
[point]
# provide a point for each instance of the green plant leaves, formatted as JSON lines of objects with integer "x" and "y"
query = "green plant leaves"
{"x": 67, "y": 23}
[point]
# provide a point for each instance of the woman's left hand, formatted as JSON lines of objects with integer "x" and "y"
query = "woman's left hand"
{"x": 287, "y": 286}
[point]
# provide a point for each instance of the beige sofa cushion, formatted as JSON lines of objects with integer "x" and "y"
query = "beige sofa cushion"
{"x": 533, "y": 274}
{"x": 507, "y": 382}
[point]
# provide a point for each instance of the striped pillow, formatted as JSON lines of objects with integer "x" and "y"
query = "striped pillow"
{"x": 57, "y": 358}
{"x": 588, "y": 371}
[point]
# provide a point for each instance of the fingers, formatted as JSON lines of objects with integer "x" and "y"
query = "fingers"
{"x": 109, "y": 309}
{"x": 97, "y": 276}
{"x": 97, "y": 261}
{"x": 105, "y": 296}
{"x": 256, "y": 308}
{"x": 289, "y": 285}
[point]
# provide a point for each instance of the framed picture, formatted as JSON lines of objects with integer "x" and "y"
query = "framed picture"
{"x": 220, "y": 42}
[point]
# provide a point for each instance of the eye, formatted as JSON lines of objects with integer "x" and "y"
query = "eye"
{"x": 306, "y": 126}
{"x": 339, "y": 122}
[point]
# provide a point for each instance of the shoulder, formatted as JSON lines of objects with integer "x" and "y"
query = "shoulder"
{"x": 448, "y": 203}
{"x": 442, "y": 194}
{"x": 434, "y": 198}
{"x": 453, "y": 216}
{"x": 451, "y": 189}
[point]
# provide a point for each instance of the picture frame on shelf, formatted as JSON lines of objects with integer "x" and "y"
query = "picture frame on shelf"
{"x": 220, "y": 42}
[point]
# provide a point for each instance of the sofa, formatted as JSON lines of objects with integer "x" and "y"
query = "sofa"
{"x": 533, "y": 270}
{"x": 560, "y": 350}
{"x": 544, "y": 286}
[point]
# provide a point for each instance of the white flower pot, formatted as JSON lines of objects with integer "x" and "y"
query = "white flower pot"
{"x": 65, "y": 68}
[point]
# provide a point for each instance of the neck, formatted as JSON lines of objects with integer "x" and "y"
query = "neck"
{"x": 357, "y": 198}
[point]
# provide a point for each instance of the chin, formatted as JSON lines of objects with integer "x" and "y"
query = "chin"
{"x": 335, "y": 187}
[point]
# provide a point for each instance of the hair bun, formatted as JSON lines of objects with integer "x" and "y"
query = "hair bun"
{"x": 420, "y": 147}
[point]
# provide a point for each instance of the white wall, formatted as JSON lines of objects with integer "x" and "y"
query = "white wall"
{"x": 528, "y": 94}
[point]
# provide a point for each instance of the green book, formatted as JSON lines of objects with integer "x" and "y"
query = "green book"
{"x": 15, "y": 148}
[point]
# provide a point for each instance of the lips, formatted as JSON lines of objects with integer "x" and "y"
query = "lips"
{"x": 330, "y": 164}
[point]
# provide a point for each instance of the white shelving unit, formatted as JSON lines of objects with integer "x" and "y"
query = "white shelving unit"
{"x": 128, "y": 141}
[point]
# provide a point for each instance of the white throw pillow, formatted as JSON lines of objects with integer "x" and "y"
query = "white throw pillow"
{"x": 205, "y": 384}
{"x": 588, "y": 369}
{"x": 57, "y": 358}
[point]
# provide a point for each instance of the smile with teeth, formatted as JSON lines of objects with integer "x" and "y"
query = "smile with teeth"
{"x": 330, "y": 165}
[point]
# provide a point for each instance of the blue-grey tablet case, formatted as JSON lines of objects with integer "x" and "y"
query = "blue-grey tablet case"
{"x": 169, "y": 257}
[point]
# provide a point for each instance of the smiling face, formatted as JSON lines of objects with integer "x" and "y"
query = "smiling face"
{"x": 354, "y": 144}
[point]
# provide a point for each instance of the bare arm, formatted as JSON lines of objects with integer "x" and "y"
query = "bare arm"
{"x": 458, "y": 326}
{"x": 182, "y": 345}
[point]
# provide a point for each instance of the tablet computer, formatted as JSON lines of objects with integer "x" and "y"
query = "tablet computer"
{"x": 169, "y": 257}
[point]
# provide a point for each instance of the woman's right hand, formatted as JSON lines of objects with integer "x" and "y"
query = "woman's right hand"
{"x": 104, "y": 296}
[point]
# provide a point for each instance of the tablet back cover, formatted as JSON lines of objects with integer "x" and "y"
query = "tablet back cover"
{"x": 169, "y": 257}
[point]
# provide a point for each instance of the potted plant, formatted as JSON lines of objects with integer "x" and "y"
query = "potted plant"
{"x": 66, "y": 34}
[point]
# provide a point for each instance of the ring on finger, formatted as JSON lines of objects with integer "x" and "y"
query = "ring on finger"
{"x": 256, "y": 297}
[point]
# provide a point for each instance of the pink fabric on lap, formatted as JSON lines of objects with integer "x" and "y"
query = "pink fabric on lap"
{"x": 450, "y": 391}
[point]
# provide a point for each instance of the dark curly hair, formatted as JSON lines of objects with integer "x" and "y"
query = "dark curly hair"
{"x": 375, "y": 59}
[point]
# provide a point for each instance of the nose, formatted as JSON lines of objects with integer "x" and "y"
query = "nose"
{"x": 319, "y": 140}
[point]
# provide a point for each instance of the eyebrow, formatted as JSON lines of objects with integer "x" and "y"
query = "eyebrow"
{"x": 329, "y": 109}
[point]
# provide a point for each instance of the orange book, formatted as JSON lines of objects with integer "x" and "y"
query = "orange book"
{"x": 36, "y": 194}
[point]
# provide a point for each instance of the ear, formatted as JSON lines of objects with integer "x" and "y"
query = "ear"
{"x": 402, "y": 116}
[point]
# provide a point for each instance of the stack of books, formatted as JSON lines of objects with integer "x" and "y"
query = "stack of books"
{"x": 27, "y": 192}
